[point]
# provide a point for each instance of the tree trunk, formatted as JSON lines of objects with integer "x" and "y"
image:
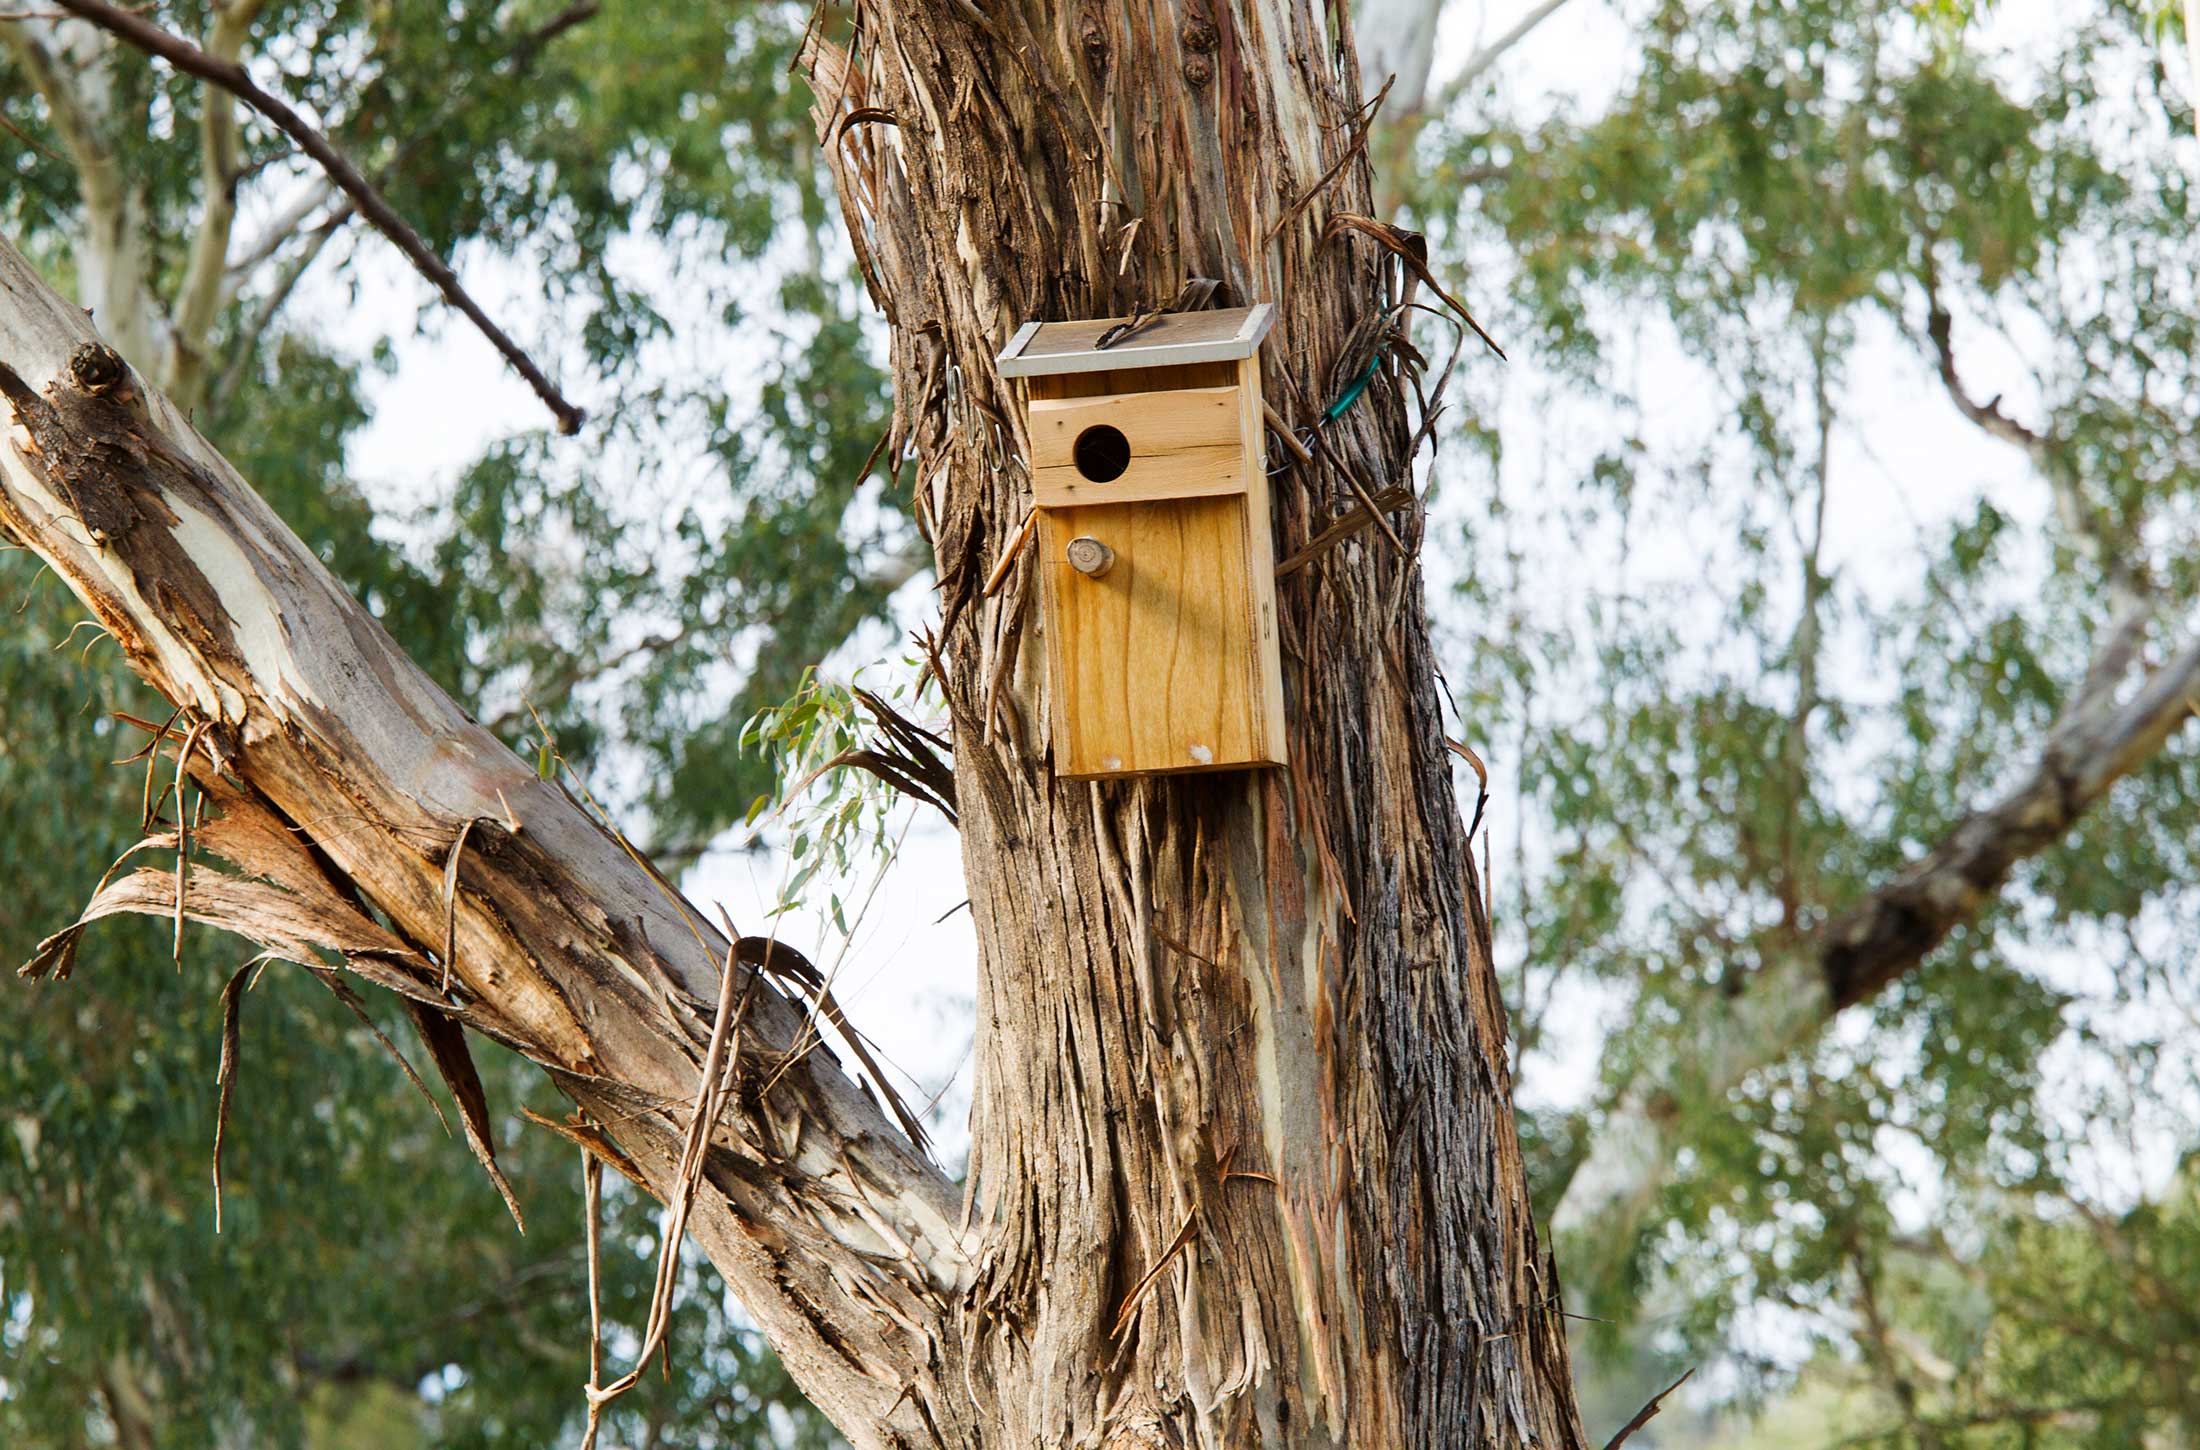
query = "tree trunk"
{"x": 1244, "y": 1165}
{"x": 1241, "y": 1044}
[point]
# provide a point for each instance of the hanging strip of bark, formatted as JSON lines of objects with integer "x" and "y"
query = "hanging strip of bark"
{"x": 339, "y": 777}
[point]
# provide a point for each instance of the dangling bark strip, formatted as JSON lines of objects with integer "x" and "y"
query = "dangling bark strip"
{"x": 225, "y": 1076}
{"x": 349, "y": 774}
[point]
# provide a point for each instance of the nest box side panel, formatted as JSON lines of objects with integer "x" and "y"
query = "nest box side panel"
{"x": 1155, "y": 664}
{"x": 1260, "y": 564}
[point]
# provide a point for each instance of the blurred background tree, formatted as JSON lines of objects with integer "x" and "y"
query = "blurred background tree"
{"x": 1803, "y": 626}
{"x": 1853, "y": 414}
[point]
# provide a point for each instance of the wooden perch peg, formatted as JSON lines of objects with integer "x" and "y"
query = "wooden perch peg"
{"x": 1089, "y": 557}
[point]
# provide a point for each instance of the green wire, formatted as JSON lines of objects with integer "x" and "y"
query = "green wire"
{"x": 1359, "y": 386}
{"x": 1351, "y": 395}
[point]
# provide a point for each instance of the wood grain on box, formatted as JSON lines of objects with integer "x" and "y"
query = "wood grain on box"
{"x": 1161, "y": 642}
{"x": 1184, "y": 443}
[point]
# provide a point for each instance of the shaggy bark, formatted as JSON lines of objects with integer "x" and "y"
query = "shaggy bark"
{"x": 1244, "y": 1165}
{"x": 1242, "y": 1135}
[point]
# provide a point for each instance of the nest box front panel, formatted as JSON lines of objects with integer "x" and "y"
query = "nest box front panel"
{"x": 1158, "y": 574}
{"x": 1155, "y": 661}
{"x": 1131, "y": 447}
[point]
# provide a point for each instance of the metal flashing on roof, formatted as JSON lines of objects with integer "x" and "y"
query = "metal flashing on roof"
{"x": 1224, "y": 334}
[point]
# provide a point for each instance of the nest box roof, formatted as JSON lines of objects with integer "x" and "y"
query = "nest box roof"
{"x": 1170, "y": 340}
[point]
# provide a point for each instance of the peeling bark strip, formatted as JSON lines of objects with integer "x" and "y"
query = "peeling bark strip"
{"x": 338, "y": 779}
{"x": 1241, "y": 1075}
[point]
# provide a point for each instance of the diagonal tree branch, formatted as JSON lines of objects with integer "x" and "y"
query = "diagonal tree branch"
{"x": 2097, "y": 741}
{"x": 72, "y": 118}
{"x": 233, "y": 78}
{"x": 285, "y": 226}
{"x": 1489, "y": 55}
{"x": 246, "y": 343}
{"x": 279, "y": 229}
{"x": 1396, "y": 40}
{"x": 345, "y": 779}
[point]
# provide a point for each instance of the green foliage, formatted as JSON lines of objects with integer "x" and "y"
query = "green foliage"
{"x": 681, "y": 562}
{"x": 362, "y": 1253}
{"x": 837, "y": 817}
{"x": 1746, "y": 703}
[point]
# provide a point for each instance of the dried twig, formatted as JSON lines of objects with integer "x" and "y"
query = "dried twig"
{"x": 1290, "y": 440}
{"x": 710, "y": 1100}
{"x": 1355, "y": 147}
{"x": 784, "y": 962}
{"x": 907, "y": 757}
{"x": 445, "y": 1038}
{"x": 1481, "y": 773}
{"x": 1009, "y": 554}
{"x": 591, "y": 1200}
{"x": 1643, "y": 1415}
{"x": 1395, "y": 497}
{"x": 1373, "y": 510}
{"x": 450, "y": 897}
{"x": 226, "y": 1074}
{"x": 233, "y": 78}
{"x": 183, "y": 831}
{"x": 581, "y": 1132}
{"x": 1411, "y": 249}
{"x": 344, "y": 994}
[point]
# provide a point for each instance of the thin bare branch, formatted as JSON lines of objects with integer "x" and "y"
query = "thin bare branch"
{"x": 233, "y": 78}
{"x": 1480, "y": 62}
{"x": 1643, "y": 1415}
{"x": 280, "y": 229}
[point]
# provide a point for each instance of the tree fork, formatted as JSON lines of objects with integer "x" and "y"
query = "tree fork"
{"x": 1244, "y": 1165}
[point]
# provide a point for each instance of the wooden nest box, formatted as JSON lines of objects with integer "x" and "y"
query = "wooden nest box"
{"x": 1148, "y": 470}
